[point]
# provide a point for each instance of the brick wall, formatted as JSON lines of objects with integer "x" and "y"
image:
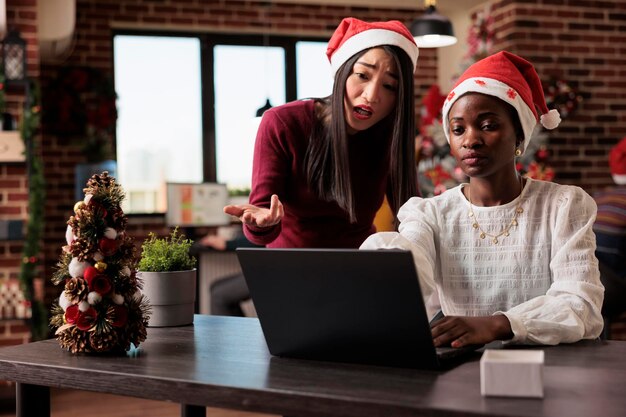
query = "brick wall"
{"x": 21, "y": 15}
{"x": 584, "y": 43}
{"x": 13, "y": 206}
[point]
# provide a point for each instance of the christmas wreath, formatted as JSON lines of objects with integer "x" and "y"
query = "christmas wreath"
{"x": 562, "y": 97}
{"x": 82, "y": 107}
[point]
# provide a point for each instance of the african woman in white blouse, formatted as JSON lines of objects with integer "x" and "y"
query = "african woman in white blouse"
{"x": 509, "y": 258}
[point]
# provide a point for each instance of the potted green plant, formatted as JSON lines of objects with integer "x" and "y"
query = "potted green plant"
{"x": 169, "y": 279}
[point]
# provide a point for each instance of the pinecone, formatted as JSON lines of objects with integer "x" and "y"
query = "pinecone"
{"x": 76, "y": 289}
{"x": 118, "y": 219}
{"x": 138, "y": 316}
{"x": 104, "y": 341}
{"x": 99, "y": 182}
{"x": 80, "y": 249}
{"x": 127, "y": 250}
{"x": 74, "y": 340}
{"x": 74, "y": 224}
{"x": 136, "y": 332}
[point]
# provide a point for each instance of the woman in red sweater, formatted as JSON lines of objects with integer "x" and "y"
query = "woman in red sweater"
{"x": 322, "y": 167}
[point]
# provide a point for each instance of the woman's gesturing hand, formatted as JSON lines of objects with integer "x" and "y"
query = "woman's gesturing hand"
{"x": 258, "y": 216}
{"x": 461, "y": 331}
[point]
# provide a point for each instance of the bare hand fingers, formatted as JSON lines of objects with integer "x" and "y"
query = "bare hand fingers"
{"x": 276, "y": 208}
{"x": 236, "y": 211}
{"x": 461, "y": 341}
{"x": 447, "y": 330}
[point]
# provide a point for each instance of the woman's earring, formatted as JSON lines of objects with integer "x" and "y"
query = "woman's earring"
{"x": 518, "y": 151}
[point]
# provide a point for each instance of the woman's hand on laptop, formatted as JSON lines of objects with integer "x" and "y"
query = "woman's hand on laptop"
{"x": 258, "y": 216}
{"x": 458, "y": 331}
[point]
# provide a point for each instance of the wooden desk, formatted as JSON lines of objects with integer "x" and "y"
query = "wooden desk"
{"x": 224, "y": 362}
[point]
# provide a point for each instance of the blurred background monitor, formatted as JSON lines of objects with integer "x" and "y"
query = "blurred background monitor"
{"x": 190, "y": 205}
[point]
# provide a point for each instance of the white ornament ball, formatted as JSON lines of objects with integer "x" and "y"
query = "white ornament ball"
{"x": 125, "y": 271}
{"x": 77, "y": 268}
{"x": 69, "y": 236}
{"x": 110, "y": 233}
{"x": 98, "y": 256}
{"x": 94, "y": 298}
{"x": 64, "y": 302}
{"x": 88, "y": 198}
{"x": 83, "y": 306}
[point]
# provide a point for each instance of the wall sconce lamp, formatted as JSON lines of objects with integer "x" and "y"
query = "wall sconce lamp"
{"x": 14, "y": 59}
{"x": 432, "y": 30}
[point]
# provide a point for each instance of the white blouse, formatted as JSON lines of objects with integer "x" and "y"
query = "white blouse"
{"x": 543, "y": 276}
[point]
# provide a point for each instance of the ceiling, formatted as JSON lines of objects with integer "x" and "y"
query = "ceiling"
{"x": 442, "y": 5}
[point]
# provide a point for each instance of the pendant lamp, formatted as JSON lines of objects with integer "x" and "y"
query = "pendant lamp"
{"x": 266, "y": 44}
{"x": 265, "y": 107}
{"x": 432, "y": 30}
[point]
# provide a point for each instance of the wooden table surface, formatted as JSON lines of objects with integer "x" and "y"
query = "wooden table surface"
{"x": 224, "y": 362}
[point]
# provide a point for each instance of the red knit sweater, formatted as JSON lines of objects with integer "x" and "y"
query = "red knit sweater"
{"x": 278, "y": 168}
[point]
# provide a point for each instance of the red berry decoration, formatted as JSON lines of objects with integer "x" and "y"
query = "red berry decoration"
{"x": 107, "y": 246}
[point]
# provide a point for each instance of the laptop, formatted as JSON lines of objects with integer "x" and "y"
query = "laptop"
{"x": 343, "y": 305}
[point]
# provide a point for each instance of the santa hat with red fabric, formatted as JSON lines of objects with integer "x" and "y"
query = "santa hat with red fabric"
{"x": 617, "y": 162}
{"x": 513, "y": 80}
{"x": 354, "y": 35}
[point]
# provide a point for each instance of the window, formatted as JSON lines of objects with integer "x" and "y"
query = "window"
{"x": 245, "y": 78}
{"x": 312, "y": 70}
{"x": 159, "y": 127}
{"x": 187, "y": 105}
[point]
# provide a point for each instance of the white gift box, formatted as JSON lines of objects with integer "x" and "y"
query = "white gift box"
{"x": 511, "y": 373}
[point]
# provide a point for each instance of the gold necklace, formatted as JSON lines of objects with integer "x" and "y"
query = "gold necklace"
{"x": 505, "y": 232}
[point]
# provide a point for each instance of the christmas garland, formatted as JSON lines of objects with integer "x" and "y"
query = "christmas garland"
{"x": 34, "y": 224}
{"x": 2, "y": 93}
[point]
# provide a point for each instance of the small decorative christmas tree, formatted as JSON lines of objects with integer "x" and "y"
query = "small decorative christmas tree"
{"x": 101, "y": 308}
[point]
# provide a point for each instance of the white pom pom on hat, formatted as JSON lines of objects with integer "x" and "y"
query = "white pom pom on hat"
{"x": 551, "y": 119}
{"x": 513, "y": 80}
{"x": 354, "y": 35}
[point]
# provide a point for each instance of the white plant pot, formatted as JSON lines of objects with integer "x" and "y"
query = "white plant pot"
{"x": 171, "y": 295}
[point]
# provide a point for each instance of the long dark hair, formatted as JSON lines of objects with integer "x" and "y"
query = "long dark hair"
{"x": 327, "y": 162}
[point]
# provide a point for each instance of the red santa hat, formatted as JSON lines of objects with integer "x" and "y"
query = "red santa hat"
{"x": 617, "y": 162}
{"x": 513, "y": 80}
{"x": 354, "y": 35}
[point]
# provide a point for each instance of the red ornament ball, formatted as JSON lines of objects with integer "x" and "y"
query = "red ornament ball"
{"x": 107, "y": 246}
{"x": 89, "y": 274}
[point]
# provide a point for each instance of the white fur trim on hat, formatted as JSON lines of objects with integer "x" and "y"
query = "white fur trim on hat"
{"x": 619, "y": 179}
{"x": 494, "y": 88}
{"x": 369, "y": 39}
